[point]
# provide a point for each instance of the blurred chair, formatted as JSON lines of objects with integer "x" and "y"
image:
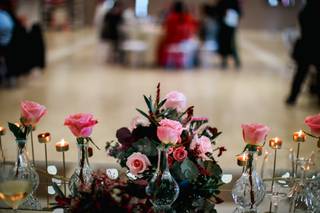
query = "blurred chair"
{"x": 134, "y": 52}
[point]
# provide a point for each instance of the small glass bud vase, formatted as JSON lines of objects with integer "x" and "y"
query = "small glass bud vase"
{"x": 83, "y": 172}
{"x": 249, "y": 190}
{"x": 24, "y": 169}
{"x": 162, "y": 189}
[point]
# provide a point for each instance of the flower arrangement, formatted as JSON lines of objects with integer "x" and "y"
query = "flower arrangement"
{"x": 191, "y": 150}
{"x": 103, "y": 194}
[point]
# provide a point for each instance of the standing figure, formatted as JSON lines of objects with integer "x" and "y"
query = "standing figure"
{"x": 177, "y": 48}
{"x": 111, "y": 30}
{"x": 229, "y": 16}
{"x": 306, "y": 49}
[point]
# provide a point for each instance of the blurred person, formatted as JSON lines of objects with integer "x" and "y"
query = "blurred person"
{"x": 14, "y": 50}
{"x": 306, "y": 50}
{"x": 111, "y": 30}
{"x": 101, "y": 10}
{"x": 229, "y": 17}
{"x": 17, "y": 44}
{"x": 177, "y": 48}
{"x": 209, "y": 27}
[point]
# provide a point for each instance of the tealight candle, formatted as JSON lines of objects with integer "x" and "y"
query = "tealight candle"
{"x": 44, "y": 137}
{"x": 2, "y": 131}
{"x": 275, "y": 143}
{"x": 299, "y": 136}
{"x": 242, "y": 160}
{"x": 17, "y": 124}
{"x": 62, "y": 146}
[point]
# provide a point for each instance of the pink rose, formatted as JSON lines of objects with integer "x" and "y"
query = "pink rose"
{"x": 180, "y": 153}
{"x": 201, "y": 146}
{"x": 313, "y": 122}
{"x": 169, "y": 131}
{"x": 254, "y": 133}
{"x": 176, "y": 100}
{"x": 138, "y": 120}
{"x": 80, "y": 124}
{"x": 137, "y": 163}
{"x": 31, "y": 112}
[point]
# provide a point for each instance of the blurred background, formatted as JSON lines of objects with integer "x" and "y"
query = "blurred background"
{"x": 237, "y": 61}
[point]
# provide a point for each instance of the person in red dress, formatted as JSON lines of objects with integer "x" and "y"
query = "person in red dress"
{"x": 179, "y": 26}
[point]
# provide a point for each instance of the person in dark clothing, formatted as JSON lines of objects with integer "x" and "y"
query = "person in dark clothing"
{"x": 229, "y": 15}
{"x": 111, "y": 29}
{"x": 306, "y": 49}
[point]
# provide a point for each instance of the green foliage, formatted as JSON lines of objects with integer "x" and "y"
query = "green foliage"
{"x": 20, "y": 132}
{"x": 146, "y": 147}
{"x": 189, "y": 169}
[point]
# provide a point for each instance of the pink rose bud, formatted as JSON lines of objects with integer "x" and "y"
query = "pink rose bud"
{"x": 176, "y": 100}
{"x": 169, "y": 131}
{"x": 80, "y": 124}
{"x": 138, "y": 120}
{"x": 254, "y": 133}
{"x": 201, "y": 146}
{"x": 137, "y": 163}
{"x": 180, "y": 153}
{"x": 313, "y": 122}
{"x": 31, "y": 112}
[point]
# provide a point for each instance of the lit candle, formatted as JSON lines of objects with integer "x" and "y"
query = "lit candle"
{"x": 62, "y": 146}
{"x": 2, "y": 131}
{"x": 44, "y": 137}
{"x": 242, "y": 160}
{"x": 17, "y": 124}
{"x": 299, "y": 136}
{"x": 275, "y": 143}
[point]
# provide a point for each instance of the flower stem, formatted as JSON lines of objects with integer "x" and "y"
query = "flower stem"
{"x": 251, "y": 181}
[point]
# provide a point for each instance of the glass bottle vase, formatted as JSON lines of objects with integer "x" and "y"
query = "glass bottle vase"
{"x": 249, "y": 190}
{"x": 162, "y": 189}
{"x": 83, "y": 172}
{"x": 24, "y": 168}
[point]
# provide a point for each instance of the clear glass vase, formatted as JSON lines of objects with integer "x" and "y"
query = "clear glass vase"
{"x": 249, "y": 190}
{"x": 83, "y": 172}
{"x": 304, "y": 198}
{"x": 162, "y": 189}
{"x": 24, "y": 169}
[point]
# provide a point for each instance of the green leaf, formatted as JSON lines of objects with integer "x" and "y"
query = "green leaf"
{"x": 176, "y": 171}
{"x": 90, "y": 139}
{"x": 213, "y": 168}
{"x": 148, "y": 102}
{"x": 17, "y": 131}
{"x": 189, "y": 169}
{"x": 58, "y": 190}
{"x": 143, "y": 113}
{"x": 146, "y": 147}
{"x": 161, "y": 103}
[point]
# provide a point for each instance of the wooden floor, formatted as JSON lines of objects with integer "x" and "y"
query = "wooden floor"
{"x": 76, "y": 80}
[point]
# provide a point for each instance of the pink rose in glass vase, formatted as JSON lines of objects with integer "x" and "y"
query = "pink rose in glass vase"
{"x": 137, "y": 163}
{"x": 201, "y": 146}
{"x": 31, "y": 112}
{"x": 180, "y": 153}
{"x": 169, "y": 131}
{"x": 313, "y": 122}
{"x": 254, "y": 133}
{"x": 176, "y": 100}
{"x": 80, "y": 124}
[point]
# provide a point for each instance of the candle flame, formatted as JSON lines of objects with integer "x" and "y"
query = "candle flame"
{"x": 300, "y": 133}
